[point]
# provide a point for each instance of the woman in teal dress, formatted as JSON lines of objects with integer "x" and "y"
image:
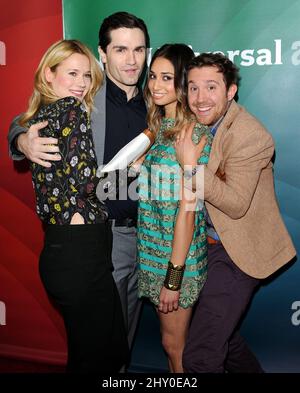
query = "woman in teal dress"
{"x": 172, "y": 249}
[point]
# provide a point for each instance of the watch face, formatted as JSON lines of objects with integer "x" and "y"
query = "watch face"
{"x": 190, "y": 173}
{"x": 187, "y": 174}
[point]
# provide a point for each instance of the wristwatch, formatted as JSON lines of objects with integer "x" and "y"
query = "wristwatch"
{"x": 188, "y": 173}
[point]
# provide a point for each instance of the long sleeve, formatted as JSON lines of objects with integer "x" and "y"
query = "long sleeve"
{"x": 14, "y": 131}
{"x": 68, "y": 186}
{"x": 242, "y": 168}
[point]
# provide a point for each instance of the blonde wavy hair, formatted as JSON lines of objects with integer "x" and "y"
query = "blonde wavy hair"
{"x": 43, "y": 92}
{"x": 179, "y": 55}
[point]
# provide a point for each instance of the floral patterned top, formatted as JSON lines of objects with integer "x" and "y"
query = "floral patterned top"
{"x": 69, "y": 185}
{"x": 159, "y": 195}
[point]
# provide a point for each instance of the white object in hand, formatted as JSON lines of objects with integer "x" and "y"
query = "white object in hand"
{"x": 130, "y": 152}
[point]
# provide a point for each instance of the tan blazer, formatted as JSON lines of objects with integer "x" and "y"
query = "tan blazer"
{"x": 243, "y": 207}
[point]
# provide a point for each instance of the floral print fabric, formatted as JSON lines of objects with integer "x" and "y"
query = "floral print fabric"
{"x": 69, "y": 185}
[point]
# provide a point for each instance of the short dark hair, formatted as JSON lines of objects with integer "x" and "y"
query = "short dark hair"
{"x": 229, "y": 70}
{"x": 118, "y": 20}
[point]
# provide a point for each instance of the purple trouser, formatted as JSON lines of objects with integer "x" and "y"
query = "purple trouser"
{"x": 213, "y": 343}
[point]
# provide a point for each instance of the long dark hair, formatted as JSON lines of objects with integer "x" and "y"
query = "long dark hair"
{"x": 179, "y": 55}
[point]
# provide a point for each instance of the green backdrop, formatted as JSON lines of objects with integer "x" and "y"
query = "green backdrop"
{"x": 263, "y": 39}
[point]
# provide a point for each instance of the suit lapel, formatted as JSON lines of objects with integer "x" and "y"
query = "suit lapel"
{"x": 98, "y": 123}
{"x": 216, "y": 154}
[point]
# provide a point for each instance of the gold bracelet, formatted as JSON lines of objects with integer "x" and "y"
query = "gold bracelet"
{"x": 174, "y": 276}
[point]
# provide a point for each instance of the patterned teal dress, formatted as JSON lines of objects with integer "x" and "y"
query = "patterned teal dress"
{"x": 159, "y": 187}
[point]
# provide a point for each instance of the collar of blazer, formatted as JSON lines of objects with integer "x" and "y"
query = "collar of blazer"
{"x": 99, "y": 99}
{"x": 216, "y": 153}
{"x": 98, "y": 122}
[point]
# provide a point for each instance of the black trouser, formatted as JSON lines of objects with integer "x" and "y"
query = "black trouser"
{"x": 76, "y": 270}
{"x": 214, "y": 344}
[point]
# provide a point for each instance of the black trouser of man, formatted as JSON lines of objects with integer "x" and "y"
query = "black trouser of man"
{"x": 214, "y": 344}
{"x": 76, "y": 270}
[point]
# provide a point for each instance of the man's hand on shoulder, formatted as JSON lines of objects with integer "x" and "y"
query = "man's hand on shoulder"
{"x": 187, "y": 152}
{"x": 38, "y": 149}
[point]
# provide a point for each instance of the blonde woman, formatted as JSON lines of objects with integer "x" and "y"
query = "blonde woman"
{"x": 171, "y": 231}
{"x": 75, "y": 263}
